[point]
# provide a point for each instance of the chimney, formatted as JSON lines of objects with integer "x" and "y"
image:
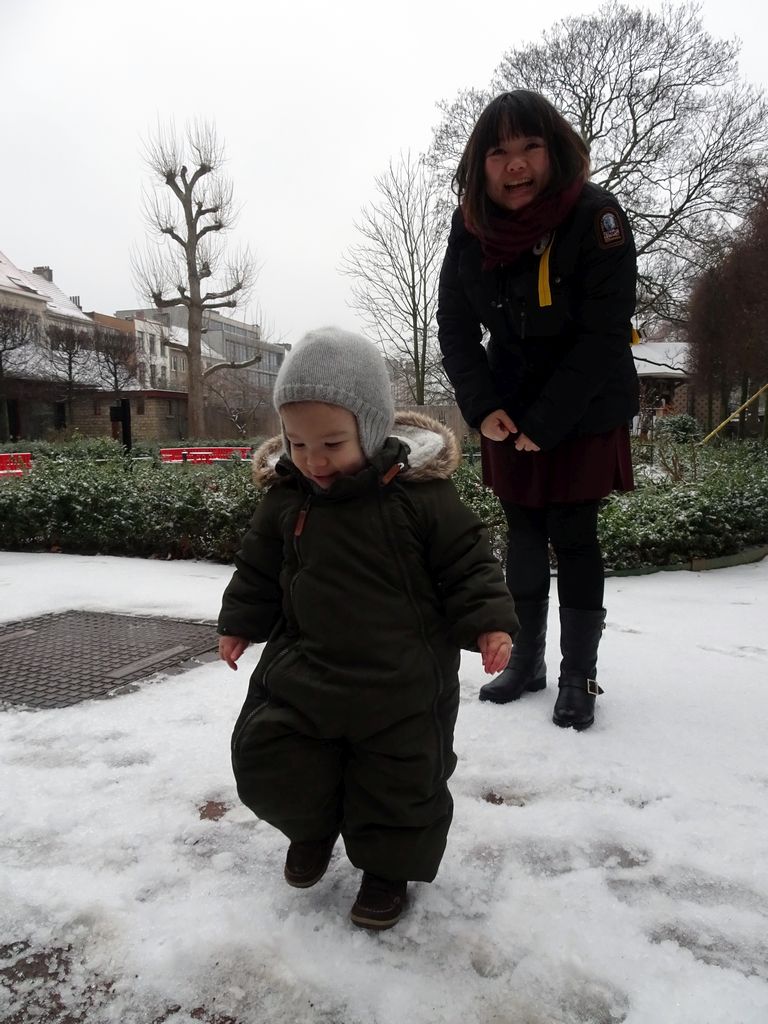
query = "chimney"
{"x": 45, "y": 272}
{"x": 75, "y": 299}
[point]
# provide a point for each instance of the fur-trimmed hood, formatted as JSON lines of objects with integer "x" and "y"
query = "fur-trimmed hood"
{"x": 433, "y": 451}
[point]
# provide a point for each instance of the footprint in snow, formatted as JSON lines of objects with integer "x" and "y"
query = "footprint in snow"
{"x": 716, "y": 949}
{"x": 501, "y": 795}
{"x": 574, "y": 1000}
{"x": 743, "y": 651}
{"x": 693, "y": 887}
{"x": 550, "y": 858}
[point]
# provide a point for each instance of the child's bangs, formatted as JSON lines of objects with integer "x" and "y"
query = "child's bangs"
{"x": 513, "y": 118}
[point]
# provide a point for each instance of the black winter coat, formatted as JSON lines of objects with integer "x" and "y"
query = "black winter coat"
{"x": 366, "y": 592}
{"x": 373, "y": 585}
{"x": 558, "y": 359}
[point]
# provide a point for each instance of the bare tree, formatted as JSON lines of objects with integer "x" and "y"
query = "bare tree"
{"x": 115, "y": 359}
{"x": 71, "y": 361}
{"x": 235, "y": 397}
{"x": 18, "y": 328}
{"x": 673, "y": 131}
{"x": 728, "y": 313}
{"x": 395, "y": 270}
{"x": 188, "y": 212}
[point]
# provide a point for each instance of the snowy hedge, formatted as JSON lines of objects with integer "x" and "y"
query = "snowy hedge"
{"x": 715, "y": 504}
{"x": 118, "y": 507}
{"x": 691, "y": 503}
{"x": 76, "y": 446}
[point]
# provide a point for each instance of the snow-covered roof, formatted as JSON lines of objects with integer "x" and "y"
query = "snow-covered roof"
{"x": 180, "y": 336}
{"x": 13, "y": 282}
{"x": 36, "y": 362}
{"x": 22, "y": 283}
{"x": 662, "y": 359}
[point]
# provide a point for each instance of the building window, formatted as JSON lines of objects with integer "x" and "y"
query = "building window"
{"x": 97, "y": 407}
{"x": 175, "y": 364}
{"x": 140, "y": 337}
{"x": 170, "y": 412}
{"x": 140, "y": 405}
{"x": 152, "y": 374}
{"x": 152, "y": 346}
{"x": 143, "y": 374}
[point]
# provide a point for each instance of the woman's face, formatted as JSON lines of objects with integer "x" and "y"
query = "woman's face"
{"x": 516, "y": 170}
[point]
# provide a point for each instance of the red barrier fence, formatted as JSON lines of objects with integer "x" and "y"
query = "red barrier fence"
{"x": 202, "y": 454}
{"x": 15, "y": 463}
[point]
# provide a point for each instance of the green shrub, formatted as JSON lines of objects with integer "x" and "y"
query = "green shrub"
{"x": 122, "y": 508}
{"x": 680, "y": 427}
{"x": 722, "y": 511}
{"x": 483, "y": 503}
{"x": 116, "y": 506}
{"x": 75, "y": 447}
{"x": 698, "y": 503}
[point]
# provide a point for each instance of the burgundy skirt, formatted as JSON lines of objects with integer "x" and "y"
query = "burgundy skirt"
{"x": 580, "y": 469}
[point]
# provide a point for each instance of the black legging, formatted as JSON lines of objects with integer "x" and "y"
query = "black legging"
{"x": 572, "y": 531}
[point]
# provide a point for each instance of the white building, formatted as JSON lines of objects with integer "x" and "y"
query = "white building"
{"x": 31, "y": 377}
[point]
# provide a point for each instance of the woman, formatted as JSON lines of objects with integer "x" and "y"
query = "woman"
{"x": 543, "y": 261}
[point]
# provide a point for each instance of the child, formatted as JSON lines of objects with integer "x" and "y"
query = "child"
{"x": 545, "y": 261}
{"x": 366, "y": 575}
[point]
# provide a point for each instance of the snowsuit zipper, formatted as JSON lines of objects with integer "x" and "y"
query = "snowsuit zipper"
{"x": 422, "y": 631}
{"x": 298, "y": 529}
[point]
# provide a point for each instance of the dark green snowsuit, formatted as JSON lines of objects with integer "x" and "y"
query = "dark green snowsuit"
{"x": 365, "y": 594}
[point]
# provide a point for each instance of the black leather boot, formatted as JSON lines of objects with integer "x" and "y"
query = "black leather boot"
{"x": 525, "y": 671}
{"x": 580, "y": 632}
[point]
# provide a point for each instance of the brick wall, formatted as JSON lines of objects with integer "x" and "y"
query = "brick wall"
{"x": 163, "y": 418}
{"x": 90, "y": 416}
{"x": 153, "y": 417}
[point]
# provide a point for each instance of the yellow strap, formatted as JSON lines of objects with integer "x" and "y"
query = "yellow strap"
{"x": 635, "y": 336}
{"x": 545, "y": 295}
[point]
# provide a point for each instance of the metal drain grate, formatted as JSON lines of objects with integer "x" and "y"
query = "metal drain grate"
{"x": 57, "y": 660}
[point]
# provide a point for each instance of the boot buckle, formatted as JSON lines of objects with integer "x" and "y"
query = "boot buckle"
{"x": 592, "y": 688}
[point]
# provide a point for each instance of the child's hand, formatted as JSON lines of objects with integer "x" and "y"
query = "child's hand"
{"x": 230, "y": 649}
{"x": 495, "y": 648}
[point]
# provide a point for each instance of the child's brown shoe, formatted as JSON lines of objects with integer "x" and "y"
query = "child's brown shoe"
{"x": 379, "y": 903}
{"x": 307, "y": 862}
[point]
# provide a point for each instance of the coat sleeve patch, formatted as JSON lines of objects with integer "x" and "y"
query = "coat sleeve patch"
{"x": 610, "y": 230}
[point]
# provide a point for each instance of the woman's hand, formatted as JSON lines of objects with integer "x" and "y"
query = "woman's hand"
{"x": 497, "y": 426}
{"x": 525, "y": 444}
{"x": 495, "y": 648}
{"x": 230, "y": 649}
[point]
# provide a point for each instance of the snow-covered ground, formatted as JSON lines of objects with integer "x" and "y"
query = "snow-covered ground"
{"x": 619, "y": 874}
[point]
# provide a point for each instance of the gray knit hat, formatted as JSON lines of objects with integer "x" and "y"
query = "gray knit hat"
{"x": 340, "y": 368}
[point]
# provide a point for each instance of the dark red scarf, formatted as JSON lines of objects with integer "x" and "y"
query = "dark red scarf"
{"x": 510, "y": 233}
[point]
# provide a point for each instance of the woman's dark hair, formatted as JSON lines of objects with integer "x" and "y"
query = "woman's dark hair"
{"x": 512, "y": 114}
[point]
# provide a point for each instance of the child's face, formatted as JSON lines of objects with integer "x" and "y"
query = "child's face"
{"x": 516, "y": 171}
{"x": 324, "y": 441}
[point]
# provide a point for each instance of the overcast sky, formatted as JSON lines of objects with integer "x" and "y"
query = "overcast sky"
{"x": 312, "y": 100}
